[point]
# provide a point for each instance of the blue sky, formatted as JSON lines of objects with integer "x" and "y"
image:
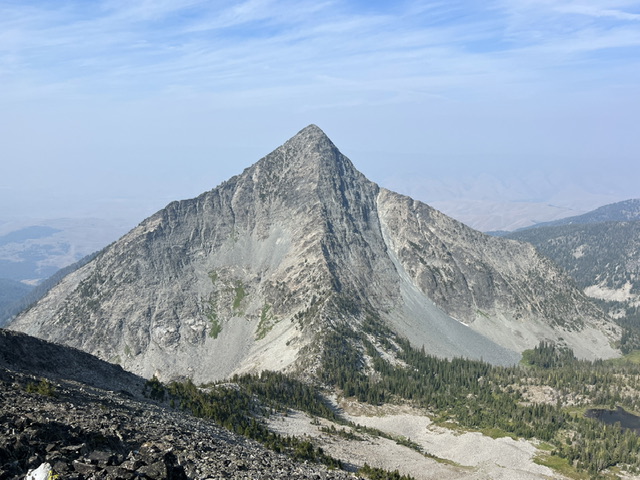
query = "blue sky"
{"x": 116, "y": 107}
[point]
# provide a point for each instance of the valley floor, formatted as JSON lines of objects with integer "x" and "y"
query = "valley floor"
{"x": 449, "y": 454}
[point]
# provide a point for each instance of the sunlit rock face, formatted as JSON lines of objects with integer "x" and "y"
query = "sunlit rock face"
{"x": 252, "y": 274}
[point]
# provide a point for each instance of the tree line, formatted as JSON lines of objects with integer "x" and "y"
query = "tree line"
{"x": 476, "y": 395}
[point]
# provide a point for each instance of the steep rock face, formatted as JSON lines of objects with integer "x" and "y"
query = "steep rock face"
{"x": 251, "y": 274}
{"x": 502, "y": 289}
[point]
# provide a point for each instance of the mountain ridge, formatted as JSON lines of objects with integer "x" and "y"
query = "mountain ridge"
{"x": 599, "y": 251}
{"x": 250, "y": 275}
{"x": 624, "y": 211}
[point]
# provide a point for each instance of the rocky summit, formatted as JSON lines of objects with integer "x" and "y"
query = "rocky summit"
{"x": 253, "y": 274}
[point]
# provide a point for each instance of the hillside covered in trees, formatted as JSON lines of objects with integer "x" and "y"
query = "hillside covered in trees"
{"x": 470, "y": 395}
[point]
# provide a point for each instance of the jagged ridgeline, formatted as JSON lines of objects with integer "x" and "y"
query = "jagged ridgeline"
{"x": 260, "y": 272}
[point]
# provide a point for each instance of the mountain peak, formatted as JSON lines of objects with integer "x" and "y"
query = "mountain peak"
{"x": 307, "y": 157}
{"x": 260, "y": 272}
{"x": 311, "y": 139}
{"x": 312, "y": 130}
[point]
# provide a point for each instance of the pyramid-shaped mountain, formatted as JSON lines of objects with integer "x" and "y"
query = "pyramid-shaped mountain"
{"x": 253, "y": 275}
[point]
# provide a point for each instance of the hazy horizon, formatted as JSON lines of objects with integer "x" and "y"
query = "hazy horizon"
{"x": 117, "y": 108}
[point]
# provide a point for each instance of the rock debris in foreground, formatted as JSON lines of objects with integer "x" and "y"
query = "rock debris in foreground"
{"x": 88, "y": 433}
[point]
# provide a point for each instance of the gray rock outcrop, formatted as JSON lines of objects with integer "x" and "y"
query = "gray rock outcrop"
{"x": 251, "y": 274}
{"x": 81, "y": 431}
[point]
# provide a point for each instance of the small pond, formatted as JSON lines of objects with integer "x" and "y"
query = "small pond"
{"x": 627, "y": 420}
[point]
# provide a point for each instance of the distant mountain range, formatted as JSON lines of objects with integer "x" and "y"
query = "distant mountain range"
{"x": 11, "y": 292}
{"x": 626, "y": 211}
{"x": 257, "y": 274}
{"x": 17, "y": 296}
{"x": 32, "y": 251}
{"x": 601, "y": 252}
{"x": 515, "y": 200}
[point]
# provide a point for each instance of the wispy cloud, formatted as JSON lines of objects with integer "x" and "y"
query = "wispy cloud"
{"x": 598, "y": 11}
{"x": 118, "y": 79}
{"x": 159, "y": 46}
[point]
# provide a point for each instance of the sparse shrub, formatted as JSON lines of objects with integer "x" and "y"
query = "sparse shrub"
{"x": 154, "y": 389}
{"x": 44, "y": 387}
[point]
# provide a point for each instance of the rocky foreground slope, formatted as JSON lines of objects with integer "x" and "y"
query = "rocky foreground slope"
{"x": 83, "y": 431}
{"x": 253, "y": 275}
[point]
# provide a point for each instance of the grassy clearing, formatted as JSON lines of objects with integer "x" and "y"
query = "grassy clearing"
{"x": 240, "y": 294}
{"x": 491, "y": 432}
{"x": 560, "y": 465}
{"x": 497, "y": 433}
{"x": 545, "y": 447}
{"x": 633, "y": 357}
{"x": 266, "y": 322}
